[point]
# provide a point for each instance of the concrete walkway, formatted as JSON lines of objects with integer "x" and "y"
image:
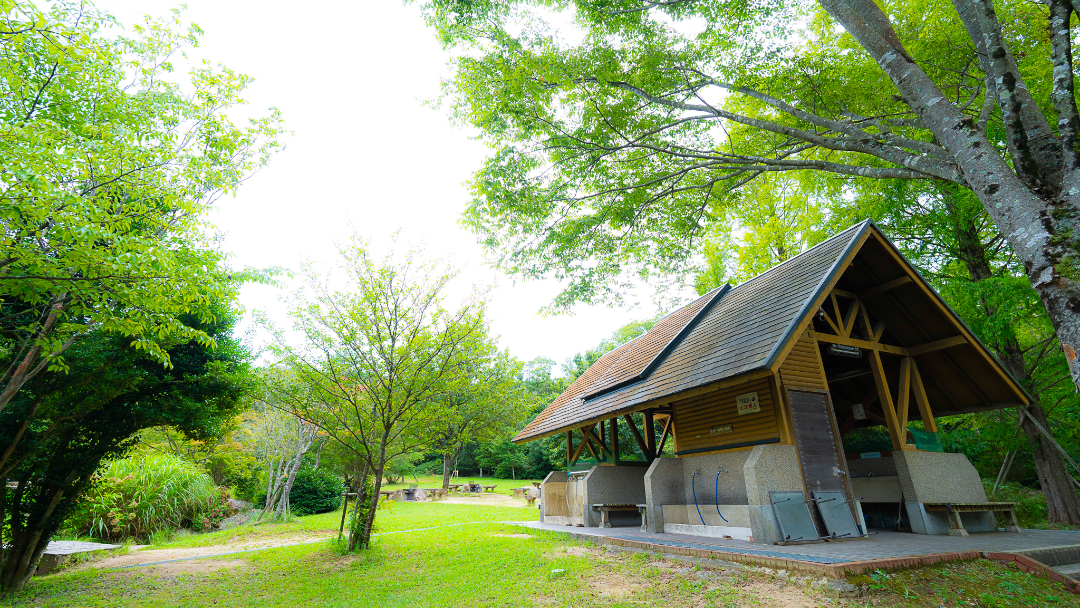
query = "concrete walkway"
{"x": 879, "y": 545}
{"x": 1039, "y": 549}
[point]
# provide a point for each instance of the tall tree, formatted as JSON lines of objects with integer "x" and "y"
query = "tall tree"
{"x": 481, "y": 401}
{"x": 612, "y": 148}
{"x": 58, "y": 431}
{"x": 107, "y": 163}
{"x": 372, "y": 359}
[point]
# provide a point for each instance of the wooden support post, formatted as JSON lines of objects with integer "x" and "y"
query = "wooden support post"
{"x": 898, "y": 436}
{"x": 614, "y": 440}
{"x": 601, "y": 453}
{"x": 903, "y": 399}
{"x": 920, "y": 398}
{"x": 650, "y": 435}
{"x": 569, "y": 447}
{"x": 829, "y": 320}
{"x": 849, "y": 319}
{"x": 663, "y": 436}
{"x": 637, "y": 436}
{"x": 592, "y": 450}
{"x": 581, "y": 446}
{"x": 836, "y": 312}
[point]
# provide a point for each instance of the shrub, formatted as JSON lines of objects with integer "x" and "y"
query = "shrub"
{"x": 146, "y": 493}
{"x": 1031, "y": 509}
{"x": 315, "y": 491}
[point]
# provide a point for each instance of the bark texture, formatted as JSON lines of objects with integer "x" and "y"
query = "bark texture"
{"x": 1034, "y": 206}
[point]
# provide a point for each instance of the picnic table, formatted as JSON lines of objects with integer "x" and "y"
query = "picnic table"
{"x": 386, "y": 493}
{"x": 490, "y": 488}
{"x": 454, "y": 487}
{"x": 437, "y": 492}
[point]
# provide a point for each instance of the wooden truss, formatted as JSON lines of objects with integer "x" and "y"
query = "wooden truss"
{"x": 896, "y": 408}
{"x": 601, "y": 440}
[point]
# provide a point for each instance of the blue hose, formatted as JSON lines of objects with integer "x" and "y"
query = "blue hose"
{"x": 694, "y": 492}
{"x": 716, "y": 498}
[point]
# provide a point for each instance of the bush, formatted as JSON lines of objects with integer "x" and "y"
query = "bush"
{"x": 146, "y": 493}
{"x": 1031, "y": 509}
{"x": 315, "y": 491}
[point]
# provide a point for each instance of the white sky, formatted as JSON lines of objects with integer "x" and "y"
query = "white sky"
{"x": 349, "y": 78}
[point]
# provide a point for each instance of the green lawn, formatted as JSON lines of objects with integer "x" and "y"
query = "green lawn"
{"x": 482, "y": 562}
{"x": 392, "y": 517}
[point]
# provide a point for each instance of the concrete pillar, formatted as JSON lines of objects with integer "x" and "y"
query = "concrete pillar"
{"x": 663, "y": 486}
{"x": 937, "y": 477}
{"x": 771, "y": 467}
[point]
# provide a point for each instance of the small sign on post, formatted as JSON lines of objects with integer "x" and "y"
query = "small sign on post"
{"x": 747, "y": 403}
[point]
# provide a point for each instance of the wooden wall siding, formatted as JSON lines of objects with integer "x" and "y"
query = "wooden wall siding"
{"x": 815, "y": 438}
{"x": 695, "y": 417}
{"x": 802, "y": 366}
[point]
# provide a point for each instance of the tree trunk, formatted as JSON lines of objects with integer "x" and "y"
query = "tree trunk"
{"x": 283, "y": 504}
{"x": 1062, "y": 502}
{"x": 355, "y": 531}
{"x": 28, "y": 539}
{"x": 361, "y": 539}
{"x": 446, "y": 472}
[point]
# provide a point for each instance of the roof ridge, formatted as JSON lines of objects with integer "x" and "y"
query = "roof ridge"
{"x": 785, "y": 337}
{"x": 858, "y": 226}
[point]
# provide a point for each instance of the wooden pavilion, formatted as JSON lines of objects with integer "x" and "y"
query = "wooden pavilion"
{"x": 759, "y": 383}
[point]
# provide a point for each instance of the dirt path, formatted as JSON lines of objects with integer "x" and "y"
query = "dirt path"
{"x": 497, "y": 500}
{"x": 188, "y": 560}
{"x": 183, "y": 560}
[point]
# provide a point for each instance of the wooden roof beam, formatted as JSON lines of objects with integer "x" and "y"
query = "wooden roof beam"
{"x": 922, "y": 349}
{"x": 856, "y": 342}
{"x": 873, "y": 291}
{"x": 926, "y": 336}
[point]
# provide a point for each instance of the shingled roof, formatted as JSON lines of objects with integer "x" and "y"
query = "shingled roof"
{"x": 726, "y": 332}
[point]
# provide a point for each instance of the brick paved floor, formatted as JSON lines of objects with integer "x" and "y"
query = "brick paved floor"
{"x": 879, "y": 545}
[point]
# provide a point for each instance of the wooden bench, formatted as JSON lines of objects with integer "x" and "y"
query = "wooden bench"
{"x": 454, "y": 487}
{"x": 643, "y": 510}
{"x": 438, "y": 492}
{"x": 489, "y": 488}
{"x": 606, "y": 509}
{"x": 954, "y": 509}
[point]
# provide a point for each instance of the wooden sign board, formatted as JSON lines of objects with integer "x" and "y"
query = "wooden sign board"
{"x": 747, "y": 403}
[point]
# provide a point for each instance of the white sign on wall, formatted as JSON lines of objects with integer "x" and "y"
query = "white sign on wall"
{"x": 858, "y": 411}
{"x": 747, "y": 403}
